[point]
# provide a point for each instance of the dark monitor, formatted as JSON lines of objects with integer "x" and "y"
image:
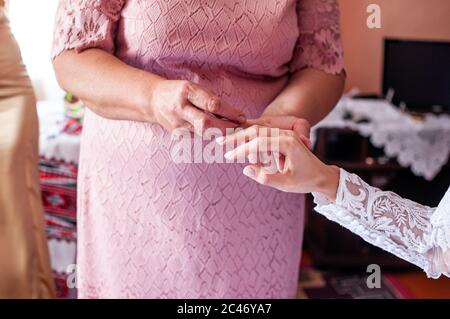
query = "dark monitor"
{"x": 419, "y": 73}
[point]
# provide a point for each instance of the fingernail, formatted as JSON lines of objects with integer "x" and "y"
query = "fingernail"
{"x": 229, "y": 155}
{"x": 242, "y": 118}
{"x": 249, "y": 172}
{"x": 220, "y": 140}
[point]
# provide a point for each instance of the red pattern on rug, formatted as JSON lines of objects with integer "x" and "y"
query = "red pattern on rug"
{"x": 58, "y": 185}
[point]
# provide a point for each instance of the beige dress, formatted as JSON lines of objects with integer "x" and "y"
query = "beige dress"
{"x": 24, "y": 260}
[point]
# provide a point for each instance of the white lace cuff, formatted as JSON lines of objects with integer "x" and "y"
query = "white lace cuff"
{"x": 413, "y": 232}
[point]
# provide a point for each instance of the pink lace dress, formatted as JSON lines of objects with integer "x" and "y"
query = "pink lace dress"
{"x": 150, "y": 228}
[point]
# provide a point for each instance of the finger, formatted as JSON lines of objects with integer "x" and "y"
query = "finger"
{"x": 300, "y": 126}
{"x": 272, "y": 162}
{"x": 293, "y": 123}
{"x": 269, "y": 162}
{"x": 245, "y": 135}
{"x": 280, "y": 160}
{"x": 253, "y": 158}
{"x": 282, "y": 122}
{"x": 251, "y": 148}
{"x": 186, "y": 125}
{"x": 202, "y": 121}
{"x": 206, "y": 101}
{"x": 306, "y": 141}
{"x": 257, "y": 173}
{"x": 172, "y": 123}
{"x": 284, "y": 145}
{"x": 282, "y": 163}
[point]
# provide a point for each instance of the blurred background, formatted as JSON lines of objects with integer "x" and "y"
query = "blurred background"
{"x": 392, "y": 128}
{"x": 402, "y": 19}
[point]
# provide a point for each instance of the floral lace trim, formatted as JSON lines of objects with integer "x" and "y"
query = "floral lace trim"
{"x": 319, "y": 45}
{"x": 83, "y": 24}
{"x": 440, "y": 221}
{"x": 397, "y": 225}
{"x": 110, "y": 8}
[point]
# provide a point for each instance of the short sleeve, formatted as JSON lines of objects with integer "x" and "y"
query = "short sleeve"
{"x": 319, "y": 43}
{"x": 84, "y": 24}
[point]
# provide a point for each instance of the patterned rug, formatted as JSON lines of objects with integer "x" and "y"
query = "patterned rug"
{"x": 331, "y": 284}
{"x": 58, "y": 186}
{"x": 315, "y": 284}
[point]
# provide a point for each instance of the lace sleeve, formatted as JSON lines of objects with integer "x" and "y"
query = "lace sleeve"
{"x": 319, "y": 43}
{"x": 83, "y": 24}
{"x": 416, "y": 233}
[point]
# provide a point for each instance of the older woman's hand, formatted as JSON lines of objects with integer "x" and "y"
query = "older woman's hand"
{"x": 119, "y": 91}
{"x": 299, "y": 171}
{"x": 182, "y": 104}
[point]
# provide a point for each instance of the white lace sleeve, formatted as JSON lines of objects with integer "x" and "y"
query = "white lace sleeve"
{"x": 413, "y": 232}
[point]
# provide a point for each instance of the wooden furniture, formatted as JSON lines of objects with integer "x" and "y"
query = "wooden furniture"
{"x": 330, "y": 244}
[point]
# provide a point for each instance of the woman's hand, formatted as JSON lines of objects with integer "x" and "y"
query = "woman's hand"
{"x": 182, "y": 104}
{"x": 119, "y": 91}
{"x": 285, "y": 122}
{"x": 299, "y": 171}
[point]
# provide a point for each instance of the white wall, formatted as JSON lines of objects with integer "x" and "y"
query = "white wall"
{"x": 32, "y": 24}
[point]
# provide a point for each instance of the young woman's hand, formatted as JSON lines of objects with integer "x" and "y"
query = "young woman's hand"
{"x": 300, "y": 126}
{"x": 182, "y": 104}
{"x": 299, "y": 171}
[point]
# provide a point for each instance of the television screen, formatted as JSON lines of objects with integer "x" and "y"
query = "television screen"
{"x": 419, "y": 74}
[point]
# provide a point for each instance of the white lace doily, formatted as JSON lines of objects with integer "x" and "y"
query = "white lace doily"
{"x": 423, "y": 146}
{"x": 53, "y": 142}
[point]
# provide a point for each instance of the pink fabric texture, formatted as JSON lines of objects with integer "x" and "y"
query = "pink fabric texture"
{"x": 150, "y": 228}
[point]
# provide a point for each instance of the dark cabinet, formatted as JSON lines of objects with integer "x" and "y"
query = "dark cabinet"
{"x": 330, "y": 244}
